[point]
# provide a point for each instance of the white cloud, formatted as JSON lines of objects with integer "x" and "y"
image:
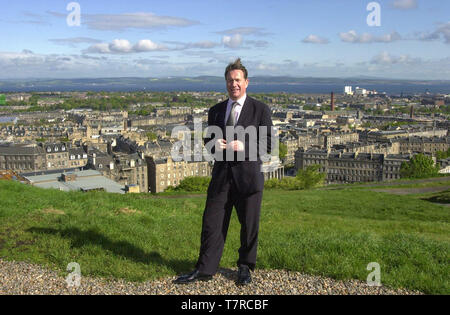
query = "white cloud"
{"x": 147, "y": 45}
{"x": 27, "y": 64}
{"x": 234, "y": 38}
{"x": 314, "y": 39}
{"x": 206, "y": 44}
{"x": 384, "y": 58}
{"x": 234, "y": 41}
{"x": 405, "y": 4}
{"x": 102, "y": 48}
{"x": 72, "y": 42}
{"x": 443, "y": 30}
{"x": 366, "y": 38}
{"x": 120, "y": 46}
{"x": 139, "y": 20}
{"x": 407, "y": 67}
{"x": 123, "y": 46}
{"x": 256, "y": 31}
{"x": 214, "y": 57}
{"x": 30, "y": 65}
{"x": 257, "y": 43}
{"x": 237, "y": 41}
{"x": 286, "y": 67}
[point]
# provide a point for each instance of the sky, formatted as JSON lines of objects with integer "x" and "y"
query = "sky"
{"x": 395, "y": 39}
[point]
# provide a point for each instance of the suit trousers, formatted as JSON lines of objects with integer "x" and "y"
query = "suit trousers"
{"x": 216, "y": 219}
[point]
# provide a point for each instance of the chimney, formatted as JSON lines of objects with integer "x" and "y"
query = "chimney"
{"x": 69, "y": 177}
{"x": 332, "y": 101}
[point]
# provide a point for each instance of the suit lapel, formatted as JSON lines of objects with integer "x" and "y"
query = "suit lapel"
{"x": 220, "y": 115}
{"x": 245, "y": 113}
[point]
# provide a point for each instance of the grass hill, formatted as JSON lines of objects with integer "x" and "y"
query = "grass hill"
{"x": 334, "y": 232}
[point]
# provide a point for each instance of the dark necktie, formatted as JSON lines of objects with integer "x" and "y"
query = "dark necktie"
{"x": 232, "y": 118}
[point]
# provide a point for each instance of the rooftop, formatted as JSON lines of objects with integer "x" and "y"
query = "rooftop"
{"x": 85, "y": 180}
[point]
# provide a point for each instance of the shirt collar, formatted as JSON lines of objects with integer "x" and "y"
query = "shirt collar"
{"x": 241, "y": 101}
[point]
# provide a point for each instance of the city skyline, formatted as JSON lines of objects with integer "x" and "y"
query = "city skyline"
{"x": 399, "y": 39}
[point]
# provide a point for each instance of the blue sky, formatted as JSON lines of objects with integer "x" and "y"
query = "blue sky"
{"x": 320, "y": 38}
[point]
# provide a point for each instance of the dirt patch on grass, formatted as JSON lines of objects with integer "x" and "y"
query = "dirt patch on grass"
{"x": 128, "y": 211}
{"x": 53, "y": 211}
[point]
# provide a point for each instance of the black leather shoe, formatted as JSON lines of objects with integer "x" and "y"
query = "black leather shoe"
{"x": 192, "y": 277}
{"x": 244, "y": 276}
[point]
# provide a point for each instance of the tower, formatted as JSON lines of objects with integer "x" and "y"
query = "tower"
{"x": 332, "y": 101}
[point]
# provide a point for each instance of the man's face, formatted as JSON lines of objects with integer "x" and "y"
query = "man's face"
{"x": 236, "y": 84}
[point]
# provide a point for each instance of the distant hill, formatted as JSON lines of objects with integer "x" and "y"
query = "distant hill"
{"x": 214, "y": 83}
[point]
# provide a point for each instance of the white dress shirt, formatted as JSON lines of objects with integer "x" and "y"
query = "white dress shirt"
{"x": 238, "y": 108}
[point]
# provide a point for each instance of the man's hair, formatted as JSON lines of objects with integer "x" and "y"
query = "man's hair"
{"x": 236, "y": 65}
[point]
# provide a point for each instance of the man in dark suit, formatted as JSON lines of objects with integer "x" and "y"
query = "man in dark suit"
{"x": 237, "y": 179}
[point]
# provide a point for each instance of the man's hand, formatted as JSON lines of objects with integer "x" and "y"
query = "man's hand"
{"x": 221, "y": 145}
{"x": 236, "y": 146}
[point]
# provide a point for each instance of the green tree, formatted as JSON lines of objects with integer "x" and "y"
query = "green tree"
{"x": 192, "y": 184}
{"x": 420, "y": 166}
{"x": 2, "y": 99}
{"x": 440, "y": 155}
{"x": 151, "y": 136}
{"x": 272, "y": 183}
{"x": 282, "y": 150}
{"x": 311, "y": 177}
{"x": 305, "y": 179}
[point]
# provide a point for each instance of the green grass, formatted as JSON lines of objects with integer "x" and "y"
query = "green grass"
{"x": 399, "y": 183}
{"x": 334, "y": 233}
{"x": 414, "y": 185}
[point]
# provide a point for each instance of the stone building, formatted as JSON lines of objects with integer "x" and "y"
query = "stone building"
{"x": 56, "y": 155}
{"x": 272, "y": 169}
{"x": 157, "y": 149}
{"x": 147, "y": 121}
{"x": 429, "y": 145}
{"x": 368, "y": 147}
{"x": 77, "y": 157}
{"x": 392, "y": 165}
{"x": 164, "y": 172}
{"x": 308, "y": 139}
{"x": 123, "y": 168}
{"x": 291, "y": 143}
{"x": 352, "y": 167}
{"x": 22, "y": 157}
{"x": 334, "y": 138}
{"x": 172, "y": 111}
{"x": 418, "y": 131}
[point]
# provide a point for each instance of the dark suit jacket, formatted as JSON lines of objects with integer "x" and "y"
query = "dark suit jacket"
{"x": 247, "y": 173}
